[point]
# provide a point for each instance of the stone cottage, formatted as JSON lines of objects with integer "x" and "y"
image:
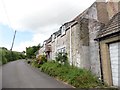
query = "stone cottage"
{"x": 77, "y": 38}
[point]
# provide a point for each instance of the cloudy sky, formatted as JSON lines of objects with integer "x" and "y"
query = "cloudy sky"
{"x": 35, "y": 20}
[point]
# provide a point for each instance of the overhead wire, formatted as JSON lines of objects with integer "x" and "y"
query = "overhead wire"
{"x": 9, "y": 22}
{"x": 5, "y": 10}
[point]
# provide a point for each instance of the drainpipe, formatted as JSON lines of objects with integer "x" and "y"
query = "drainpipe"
{"x": 55, "y": 45}
{"x": 71, "y": 48}
{"x": 102, "y": 77}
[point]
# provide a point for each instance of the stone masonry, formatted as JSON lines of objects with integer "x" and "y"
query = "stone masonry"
{"x": 77, "y": 37}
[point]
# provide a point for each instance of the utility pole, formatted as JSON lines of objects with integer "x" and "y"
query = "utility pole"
{"x": 13, "y": 40}
{"x": 11, "y": 58}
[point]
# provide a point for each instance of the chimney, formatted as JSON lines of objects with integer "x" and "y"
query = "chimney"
{"x": 113, "y": 7}
{"x": 102, "y": 13}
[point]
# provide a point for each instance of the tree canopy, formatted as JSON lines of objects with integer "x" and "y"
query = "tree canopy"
{"x": 31, "y": 51}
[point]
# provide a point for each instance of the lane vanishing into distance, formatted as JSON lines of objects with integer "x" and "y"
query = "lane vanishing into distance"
{"x": 18, "y": 74}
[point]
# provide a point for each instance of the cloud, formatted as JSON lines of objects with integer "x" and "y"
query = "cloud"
{"x": 33, "y": 14}
{"x": 42, "y": 17}
{"x": 37, "y": 38}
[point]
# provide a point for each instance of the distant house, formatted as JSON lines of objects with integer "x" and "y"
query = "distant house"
{"x": 48, "y": 48}
{"x": 41, "y": 51}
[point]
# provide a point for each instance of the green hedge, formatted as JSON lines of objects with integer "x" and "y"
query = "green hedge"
{"x": 80, "y": 78}
{"x": 7, "y": 55}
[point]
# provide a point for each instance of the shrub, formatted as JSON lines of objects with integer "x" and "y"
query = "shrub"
{"x": 34, "y": 63}
{"x": 62, "y": 58}
{"x": 38, "y": 66}
{"x": 41, "y": 59}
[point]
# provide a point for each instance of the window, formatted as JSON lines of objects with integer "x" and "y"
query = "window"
{"x": 53, "y": 38}
{"x": 61, "y": 50}
{"x": 64, "y": 50}
{"x": 63, "y": 30}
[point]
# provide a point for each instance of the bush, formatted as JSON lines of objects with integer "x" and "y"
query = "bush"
{"x": 62, "y": 58}
{"x": 81, "y": 78}
{"x": 34, "y": 63}
{"x": 41, "y": 59}
{"x": 7, "y": 55}
{"x": 38, "y": 66}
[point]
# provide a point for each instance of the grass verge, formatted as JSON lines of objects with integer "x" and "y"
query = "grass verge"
{"x": 80, "y": 78}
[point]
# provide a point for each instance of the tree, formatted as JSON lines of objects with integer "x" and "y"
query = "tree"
{"x": 31, "y": 51}
{"x": 7, "y": 55}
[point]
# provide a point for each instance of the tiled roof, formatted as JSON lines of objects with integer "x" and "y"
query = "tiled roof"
{"x": 112, "y": 27}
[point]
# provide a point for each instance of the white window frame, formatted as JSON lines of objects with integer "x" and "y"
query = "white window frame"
{"x": 63, "y": 30}
{"x": 53, "y": 38}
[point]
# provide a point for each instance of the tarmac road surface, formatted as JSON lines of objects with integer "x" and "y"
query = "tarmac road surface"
{"x": 18, "y": 74}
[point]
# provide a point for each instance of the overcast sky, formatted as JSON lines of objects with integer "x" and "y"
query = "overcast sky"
{"x": 35, "y": 20}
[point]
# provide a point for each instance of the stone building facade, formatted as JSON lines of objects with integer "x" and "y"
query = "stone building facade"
{"x": 77, "y": 38}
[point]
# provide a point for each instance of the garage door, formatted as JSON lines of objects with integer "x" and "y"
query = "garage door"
{"x": 114, "y": 58}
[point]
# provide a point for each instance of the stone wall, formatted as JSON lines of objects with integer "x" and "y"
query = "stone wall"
{"x": 102, "y": 13}
{"x": 94, "y": 27}
{"x": 97, "y": 11}
{"x": 75, "y": 32}
{"x": 113, "y": 7}
{"x": 68, "y": 44}
{"x": 53, "y": 50}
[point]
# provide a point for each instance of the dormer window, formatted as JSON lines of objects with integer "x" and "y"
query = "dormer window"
{"x": 63, "y": 30}
{"x": 53, "y": 38}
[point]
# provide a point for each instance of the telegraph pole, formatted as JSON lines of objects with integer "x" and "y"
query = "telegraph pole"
{"x": 11, "y": 58}
{"x": 13, "y": 40}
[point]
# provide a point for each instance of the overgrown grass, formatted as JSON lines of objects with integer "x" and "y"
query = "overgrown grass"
{"x": 60, "y": 69}
{"x": 80, "y": 78}
{"x": 33, "y": 63}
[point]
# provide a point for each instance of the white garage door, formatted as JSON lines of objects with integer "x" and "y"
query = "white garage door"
{"x": 115, "y": 57}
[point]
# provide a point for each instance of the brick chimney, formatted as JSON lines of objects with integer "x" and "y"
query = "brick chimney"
{"x": 102, "y": 13}
{"x": 113, "y": 7}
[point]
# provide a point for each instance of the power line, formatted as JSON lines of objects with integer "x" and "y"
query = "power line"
{"x": 9, "y": 23}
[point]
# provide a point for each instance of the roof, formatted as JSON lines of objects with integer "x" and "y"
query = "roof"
{"x": 112, "y": 27}
{"x": 48, "y": 40}
{"x": 67, "y": 24}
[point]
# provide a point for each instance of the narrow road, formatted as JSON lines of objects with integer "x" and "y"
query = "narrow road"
{"x": 19, "y": 74}
{"x": 0, "y": 77}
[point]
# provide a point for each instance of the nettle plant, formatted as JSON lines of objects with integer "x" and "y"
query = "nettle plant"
{"x": 61, "y": 58}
